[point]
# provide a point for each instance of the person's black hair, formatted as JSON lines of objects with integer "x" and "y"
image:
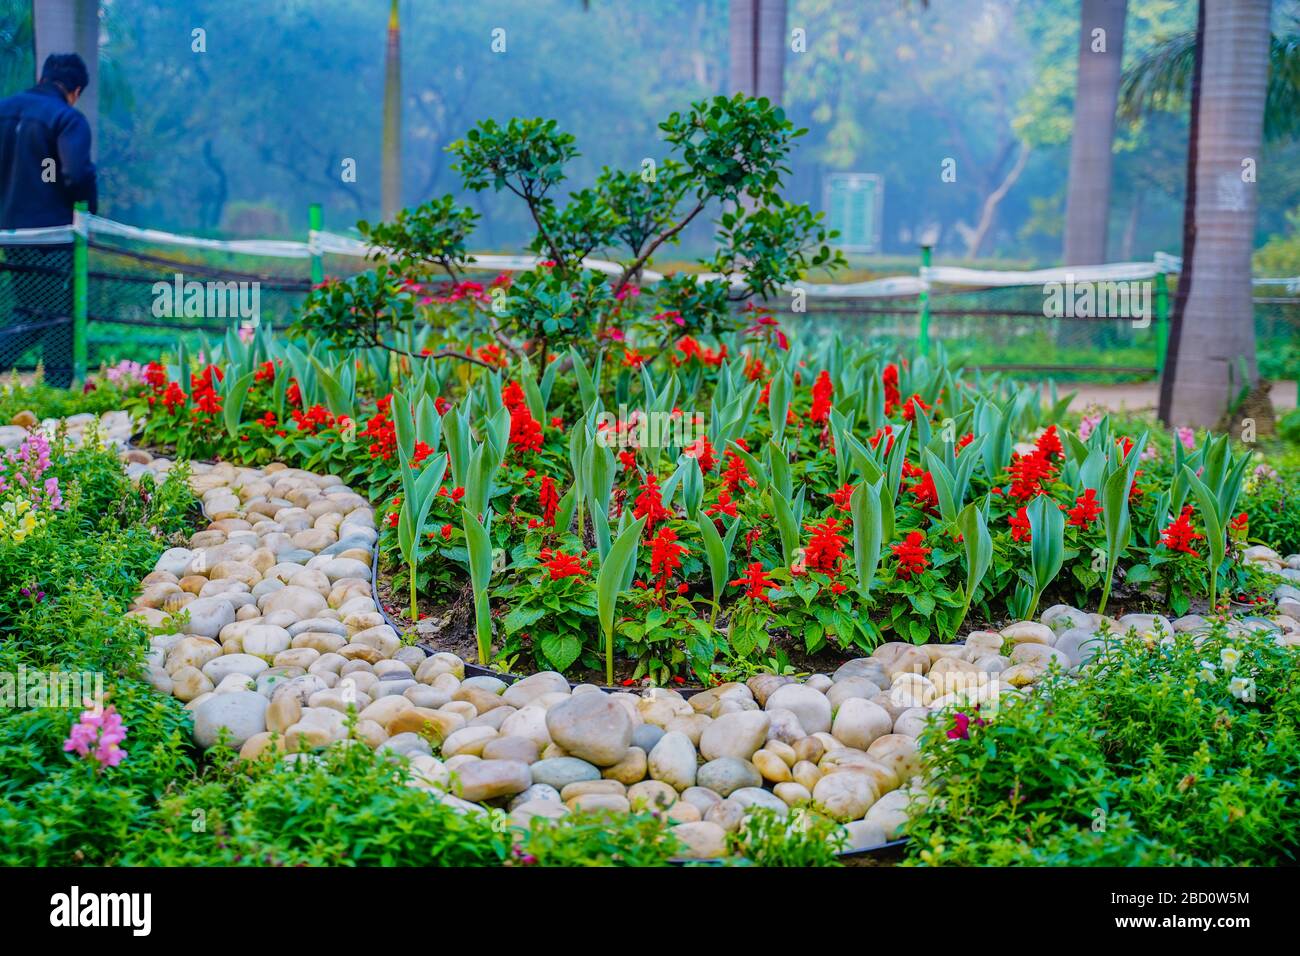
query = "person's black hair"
{"x": 67, "y": 70}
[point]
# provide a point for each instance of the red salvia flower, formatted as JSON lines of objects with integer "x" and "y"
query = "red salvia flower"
{"x": 512, "y": 395}
{"x": 174, "y": 397}
{"x": 885, "y": 432}
{"x": 1020, "y": 530}
{"x": 737, "y": 473}
{"x": 725, "y": 505}
{"x": 909, "y": 409}
{"x": 1028, "y": 472}
{"x": 548, "y": 499}
{"x": 755, "y": 582}
{"x": 843, "y": 496}
{"x": 1180, "y": 534}
{"x": 702, "y": 451}
{"x": 912, "y": 556}
{"x": 889, "y": 378}
{"x": 313, "y": 420}
{"x": 925, "y": 493}
{"x": 155, "y": 374}
{"x": 825, "y": 551}
{"x": 649, "y": 503}
{"x": 525, "y": 432}
{"x": 822, "y": 391}
{"x": 561, "y": 565}
{"x": 1049, "y": 444}
{"x": 1086, "y": 509}
{"x": 665, "y": 556}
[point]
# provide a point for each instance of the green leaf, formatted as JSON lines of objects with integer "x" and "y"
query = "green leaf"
{"x": 868, "y": 531}
{"x": 561, "y": 650}
{"x": 480, "y": 573}
{"x": 234, "y": 406}
{"x": 521, "y": 616}
{"x": 717, "y": 554}
{"x": 609, "y": 581}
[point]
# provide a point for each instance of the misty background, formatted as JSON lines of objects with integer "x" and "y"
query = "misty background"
{"x": 238, "y": 140}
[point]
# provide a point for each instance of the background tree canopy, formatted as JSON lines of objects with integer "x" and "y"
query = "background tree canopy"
{"x": 239, "y": 139}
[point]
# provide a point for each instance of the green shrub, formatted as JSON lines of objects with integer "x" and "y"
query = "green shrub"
{"x": 347, "y": 807}
{"x": 598, "y": 839}
{"x": 1274, "y": 509}
{"x": 1151, "y": 760}
{"x": 766, "y": 838}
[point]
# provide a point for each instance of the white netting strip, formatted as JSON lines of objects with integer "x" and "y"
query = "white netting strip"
{"x": 1114, "y": 272}
{"x": 47, "y": 235}
{"x": 1174, "y": 264}
{"x": 332, "y": 243}
{"x": 888, "y": 288}
{"x": 277, "y": 248}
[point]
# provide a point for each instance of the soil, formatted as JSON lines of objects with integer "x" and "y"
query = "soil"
{"x": 449, "y": 626}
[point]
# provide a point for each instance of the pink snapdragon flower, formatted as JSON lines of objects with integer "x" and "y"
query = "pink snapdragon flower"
{"x": 97, "y": 736}
{"x": 126, "y": 373}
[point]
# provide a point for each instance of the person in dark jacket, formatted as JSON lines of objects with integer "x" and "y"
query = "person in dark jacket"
{"x": 45, "y": 168}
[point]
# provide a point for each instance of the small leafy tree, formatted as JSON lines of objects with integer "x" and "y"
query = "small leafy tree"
{"x": 728, "y": 156}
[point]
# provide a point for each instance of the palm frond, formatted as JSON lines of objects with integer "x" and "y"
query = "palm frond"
{"x": 1162, "y": 80}
{"x": 1282, "y": 105}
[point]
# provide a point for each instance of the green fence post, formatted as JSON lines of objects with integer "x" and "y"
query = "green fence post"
{"x": 314, "y": 222}
{"x": 923, "y": 307}
{"x": 1162, "y": 321}
{"x": 80, "y": 349}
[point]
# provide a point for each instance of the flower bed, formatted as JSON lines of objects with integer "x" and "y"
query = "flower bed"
{"x": 265, "y": 626}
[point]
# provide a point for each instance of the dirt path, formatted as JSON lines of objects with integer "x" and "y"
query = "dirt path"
{"x": 1142, "y": 396}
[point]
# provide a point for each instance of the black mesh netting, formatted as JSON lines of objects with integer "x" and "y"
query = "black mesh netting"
{"x": 1007, "y": 329}
{"x": 36, "y": 310}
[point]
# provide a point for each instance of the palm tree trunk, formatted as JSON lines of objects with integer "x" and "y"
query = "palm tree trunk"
{"x": 742, "y": 74}
{"x": 1172, "y": 347}
{"x": 391, "y": 172}
{"x": 1087, "y": 203}
{"x": 757, "y": 39}
{"x": 72, "y": 26}
{"x": 771, "y": 49}
{"x": 1216, "y": 349}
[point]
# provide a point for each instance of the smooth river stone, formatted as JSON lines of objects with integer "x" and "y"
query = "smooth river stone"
{"x": 591, "y": 727}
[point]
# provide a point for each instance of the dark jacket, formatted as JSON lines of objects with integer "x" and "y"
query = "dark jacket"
{"x": 35, "y": 126}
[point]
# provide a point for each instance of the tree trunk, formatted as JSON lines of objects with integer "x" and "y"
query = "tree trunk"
{"x": 391, "y": 173}
{"x": 757, "y": 46}
{"x": 1216, "y": 349}
{"x": 1163, "y": 408}
{"x": 72, "y": 26}
{"x": 771, "y": 49}
{"x": 1087, "y": 203}
{"x": 994, "y": 199}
